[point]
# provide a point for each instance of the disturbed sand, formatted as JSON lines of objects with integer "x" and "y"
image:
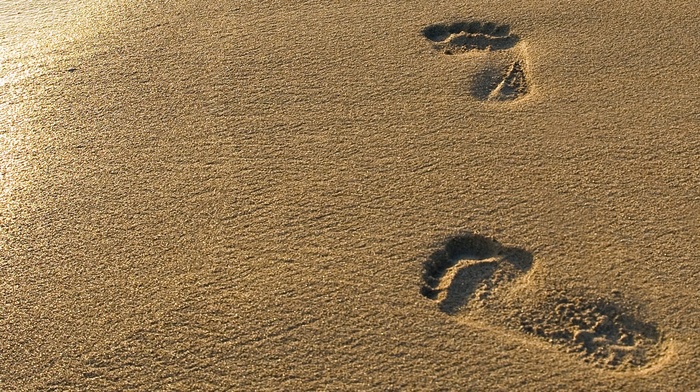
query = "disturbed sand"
{"x": 297, "y": 195}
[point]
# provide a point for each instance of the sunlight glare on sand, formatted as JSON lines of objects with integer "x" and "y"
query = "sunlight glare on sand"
{"x": 32, "y": 29}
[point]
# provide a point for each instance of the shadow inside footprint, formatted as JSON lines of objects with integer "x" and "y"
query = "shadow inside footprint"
{"x": 464, "y": 284}
{"x": 460, "y": 37}
{"x": 520, "y": 259}
{"x": 601, "y": 331}
{"x": 513, "y": 85}
{"x": 492, "y": 84}
{"x": 467, "y": 266}
{"x": 486, "y": 82}
{"x": 464, "y": 246}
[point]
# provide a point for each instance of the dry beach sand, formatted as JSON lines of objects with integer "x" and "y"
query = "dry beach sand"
{"x": 302, "y": 195}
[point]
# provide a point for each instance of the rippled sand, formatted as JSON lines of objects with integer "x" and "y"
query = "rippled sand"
{"x": 302, "y": 195}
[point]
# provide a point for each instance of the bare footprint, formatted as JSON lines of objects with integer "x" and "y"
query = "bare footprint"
{"x": 596, "y": 330}
{"x": 473, "y": 276}
{"x": 499, "y": 83}
{"x": 461, "y": 37}
{"x": 470, "y": 267}
{"x": 513, "y": 84}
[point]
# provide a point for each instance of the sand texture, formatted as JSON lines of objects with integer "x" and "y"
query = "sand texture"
{"x": 382, "y": 195}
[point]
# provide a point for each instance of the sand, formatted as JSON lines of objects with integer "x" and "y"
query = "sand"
{"x": 304, "y": 195}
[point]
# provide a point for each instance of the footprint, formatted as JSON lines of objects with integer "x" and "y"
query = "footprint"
{"x": 506, "y": 83}
{"x": 513, "y": 84}
{"x": 472, "y": 276}
{"x": 469, "y": 267}
{"x": 596, "y": 330}
{"x": 461, "y": 37}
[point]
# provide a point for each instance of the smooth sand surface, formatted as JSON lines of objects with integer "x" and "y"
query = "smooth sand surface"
{"x": 302, "y": 195}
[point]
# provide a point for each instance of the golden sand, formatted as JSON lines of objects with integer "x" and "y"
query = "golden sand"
{"x": 302, "y": 195}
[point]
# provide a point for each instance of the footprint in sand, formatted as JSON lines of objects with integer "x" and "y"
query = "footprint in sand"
{"x": 473, "y": 277}
{"x": 500, "y": 82}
